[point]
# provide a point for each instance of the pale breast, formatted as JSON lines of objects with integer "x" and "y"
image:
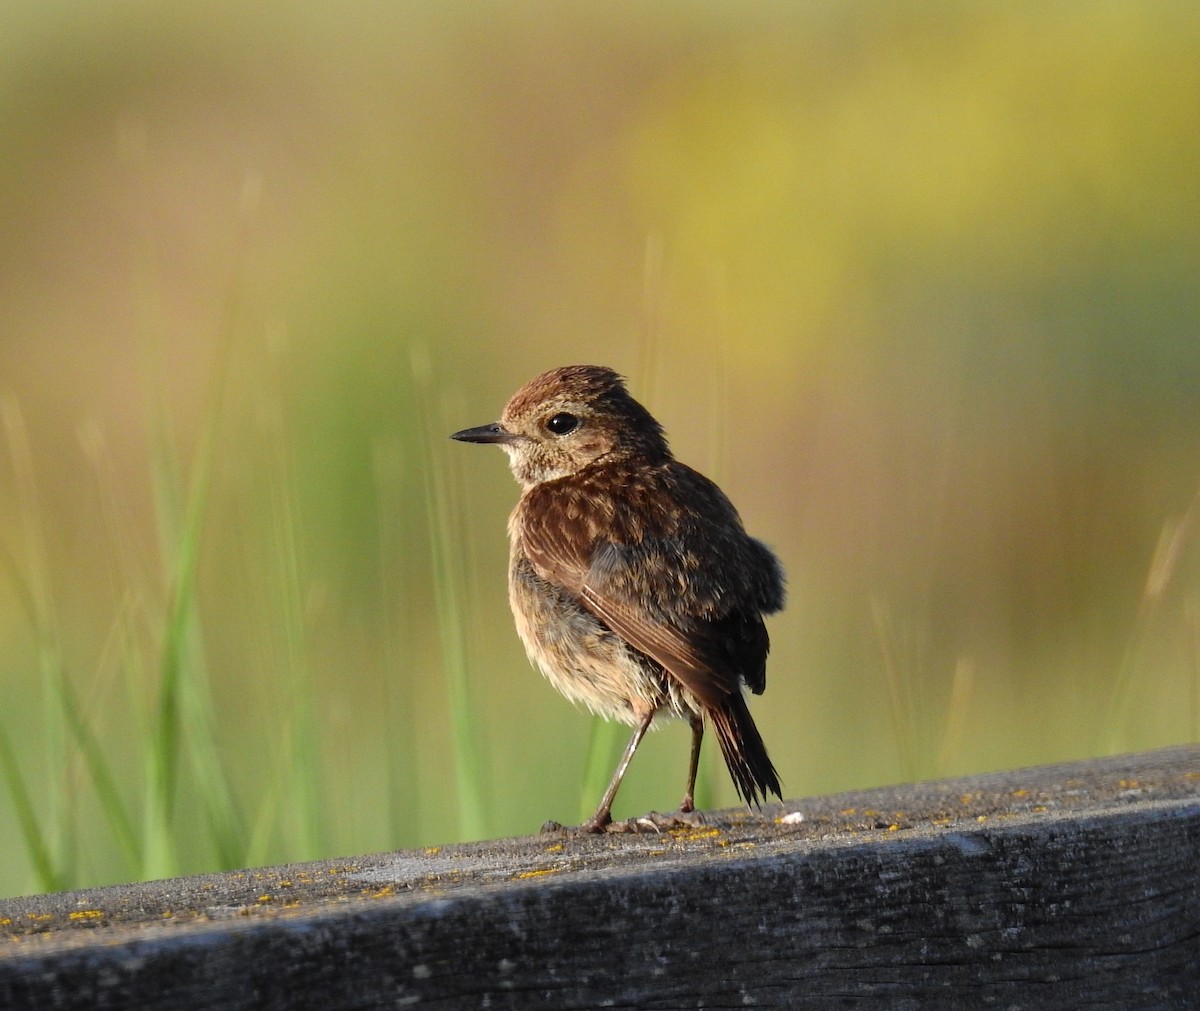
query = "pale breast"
{"x": 579, "y": 655}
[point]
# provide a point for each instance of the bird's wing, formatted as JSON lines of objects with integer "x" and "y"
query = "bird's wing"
{"x": 640, "y": 590}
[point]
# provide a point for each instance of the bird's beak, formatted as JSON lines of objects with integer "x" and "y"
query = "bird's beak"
{"x": 495, "y": 432}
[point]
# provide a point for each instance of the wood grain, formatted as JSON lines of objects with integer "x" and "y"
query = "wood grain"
{"x": 1066, "y": 886}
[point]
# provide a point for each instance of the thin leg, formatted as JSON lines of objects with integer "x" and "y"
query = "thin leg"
{"x": 603, "y": 815}
{"x": 689, "y": 795}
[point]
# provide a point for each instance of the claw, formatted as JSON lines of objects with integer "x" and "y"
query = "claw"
{"x": 650, "y": 822}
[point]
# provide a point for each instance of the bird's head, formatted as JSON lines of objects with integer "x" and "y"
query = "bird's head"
{"x": 568, "y": 419}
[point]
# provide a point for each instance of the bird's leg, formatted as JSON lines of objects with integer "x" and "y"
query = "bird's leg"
{"x": 599, "y": 821}
{"x": 688, "y": 804}
{"x": 687, "y": 816}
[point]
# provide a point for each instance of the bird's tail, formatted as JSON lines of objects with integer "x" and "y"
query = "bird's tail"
{"x": 744, "y": 751}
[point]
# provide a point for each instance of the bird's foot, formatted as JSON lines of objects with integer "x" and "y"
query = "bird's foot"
{"x": 654, "y": 821}
{"x": 595, "y": 825}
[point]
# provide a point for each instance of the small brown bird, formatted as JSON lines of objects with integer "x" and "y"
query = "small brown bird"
{"x": 635, "y": 588}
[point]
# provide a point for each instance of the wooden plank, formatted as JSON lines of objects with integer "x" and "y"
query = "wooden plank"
{"x": 1064, "y": 886}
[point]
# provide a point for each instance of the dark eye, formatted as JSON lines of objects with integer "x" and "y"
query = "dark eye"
{"x": 562, "y": 423}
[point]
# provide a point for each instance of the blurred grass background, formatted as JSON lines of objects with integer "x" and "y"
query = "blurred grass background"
{"x": 917, "y": 283}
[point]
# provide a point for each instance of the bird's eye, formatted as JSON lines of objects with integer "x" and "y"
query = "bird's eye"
{"x": 561, "y": 424}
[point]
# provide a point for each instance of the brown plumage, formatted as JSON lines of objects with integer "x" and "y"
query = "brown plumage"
{"x": 634, "y": 586}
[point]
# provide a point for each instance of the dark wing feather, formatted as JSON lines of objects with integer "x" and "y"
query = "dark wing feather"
{"x": 681, "y": 655}
{"x": 659, "y": 576}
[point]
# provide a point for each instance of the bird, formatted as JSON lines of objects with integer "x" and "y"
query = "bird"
{"x": 633, "y": 584}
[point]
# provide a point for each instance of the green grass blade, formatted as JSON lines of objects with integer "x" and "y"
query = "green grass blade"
{"x": 307, "y": 810}
{"x": 33, "y": 586}
{"x": 394, "y": 508}
{"x": 444, "y": 504}
{"x": 103, "y": 781}
{"x": 184, "y": 697}
{"x": 48, "y": 877}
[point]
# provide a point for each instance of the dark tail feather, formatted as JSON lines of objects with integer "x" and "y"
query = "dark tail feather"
{"x": 745, "y": 754}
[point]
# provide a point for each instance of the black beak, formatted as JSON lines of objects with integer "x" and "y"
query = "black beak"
{"x": 495, "y": 432}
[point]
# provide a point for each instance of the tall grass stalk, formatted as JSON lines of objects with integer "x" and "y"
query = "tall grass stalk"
{"x": 307, "y": 812}
{"x": 51, "y": 870}
{"x": 444, "y": 500}
{"x": 108, "y": 793}
{"x": 51, "y": 845}
{"x": 184, "y": 699}
{"x": 393, "y": 509}
{"x": 124, "y": 646}
{"x": 1163, "y": 567}
{"x": 902, "y": 688}
{"x": 954, "y": 733}
{"x": 1191, "y": 620}
{"x": 46, "y": 871}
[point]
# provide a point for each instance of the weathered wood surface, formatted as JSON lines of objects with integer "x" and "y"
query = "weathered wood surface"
{"x": 1060, "y": 887}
